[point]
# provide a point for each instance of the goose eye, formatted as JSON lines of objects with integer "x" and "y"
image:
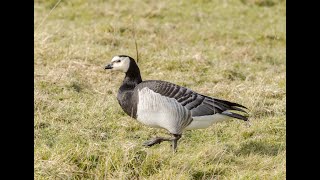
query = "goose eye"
{"x": 118, "y": 61}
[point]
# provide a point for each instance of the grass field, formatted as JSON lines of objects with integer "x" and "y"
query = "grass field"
{"x": 229, "y": 49}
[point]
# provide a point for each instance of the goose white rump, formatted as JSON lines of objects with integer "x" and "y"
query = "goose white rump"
{"x": 201, "y": 122}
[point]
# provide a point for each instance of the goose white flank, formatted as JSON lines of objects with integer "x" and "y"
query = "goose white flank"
{"x": 161, "y": 104}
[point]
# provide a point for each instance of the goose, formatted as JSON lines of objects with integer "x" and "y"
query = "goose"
{"x": 161, "y": 104}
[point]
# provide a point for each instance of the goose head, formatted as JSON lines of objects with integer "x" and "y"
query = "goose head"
{"x": 120, "y": 63}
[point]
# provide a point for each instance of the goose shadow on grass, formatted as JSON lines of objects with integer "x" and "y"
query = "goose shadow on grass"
{"x": 260, "y": 147}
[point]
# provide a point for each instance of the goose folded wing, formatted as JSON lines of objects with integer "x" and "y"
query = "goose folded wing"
{"x": 199, "y": 105}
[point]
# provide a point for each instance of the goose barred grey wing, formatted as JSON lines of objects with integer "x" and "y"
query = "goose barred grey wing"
{"x": 198, "y": 104}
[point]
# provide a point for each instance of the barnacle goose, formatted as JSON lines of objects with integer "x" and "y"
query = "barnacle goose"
{"x": 162, "y": 104}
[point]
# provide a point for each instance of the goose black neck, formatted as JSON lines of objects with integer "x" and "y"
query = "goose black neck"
{"x": 133, "y": 76}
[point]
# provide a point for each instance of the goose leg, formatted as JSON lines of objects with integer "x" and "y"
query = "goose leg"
{"x": 156, "y": 140}
{"x": 175, "y": 141}
{"x": 159, "y": 140}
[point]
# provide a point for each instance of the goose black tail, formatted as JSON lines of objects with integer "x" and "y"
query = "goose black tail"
{"x": 235, "y": 115}
{"x": 232, "y": 106}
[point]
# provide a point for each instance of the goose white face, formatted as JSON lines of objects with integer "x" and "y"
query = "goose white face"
{"x": 119, "y": 64}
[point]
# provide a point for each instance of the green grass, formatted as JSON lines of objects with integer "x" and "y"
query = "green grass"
{"x": 229, "y": 49}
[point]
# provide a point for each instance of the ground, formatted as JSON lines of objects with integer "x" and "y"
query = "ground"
{"x": 228, "y": 49}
